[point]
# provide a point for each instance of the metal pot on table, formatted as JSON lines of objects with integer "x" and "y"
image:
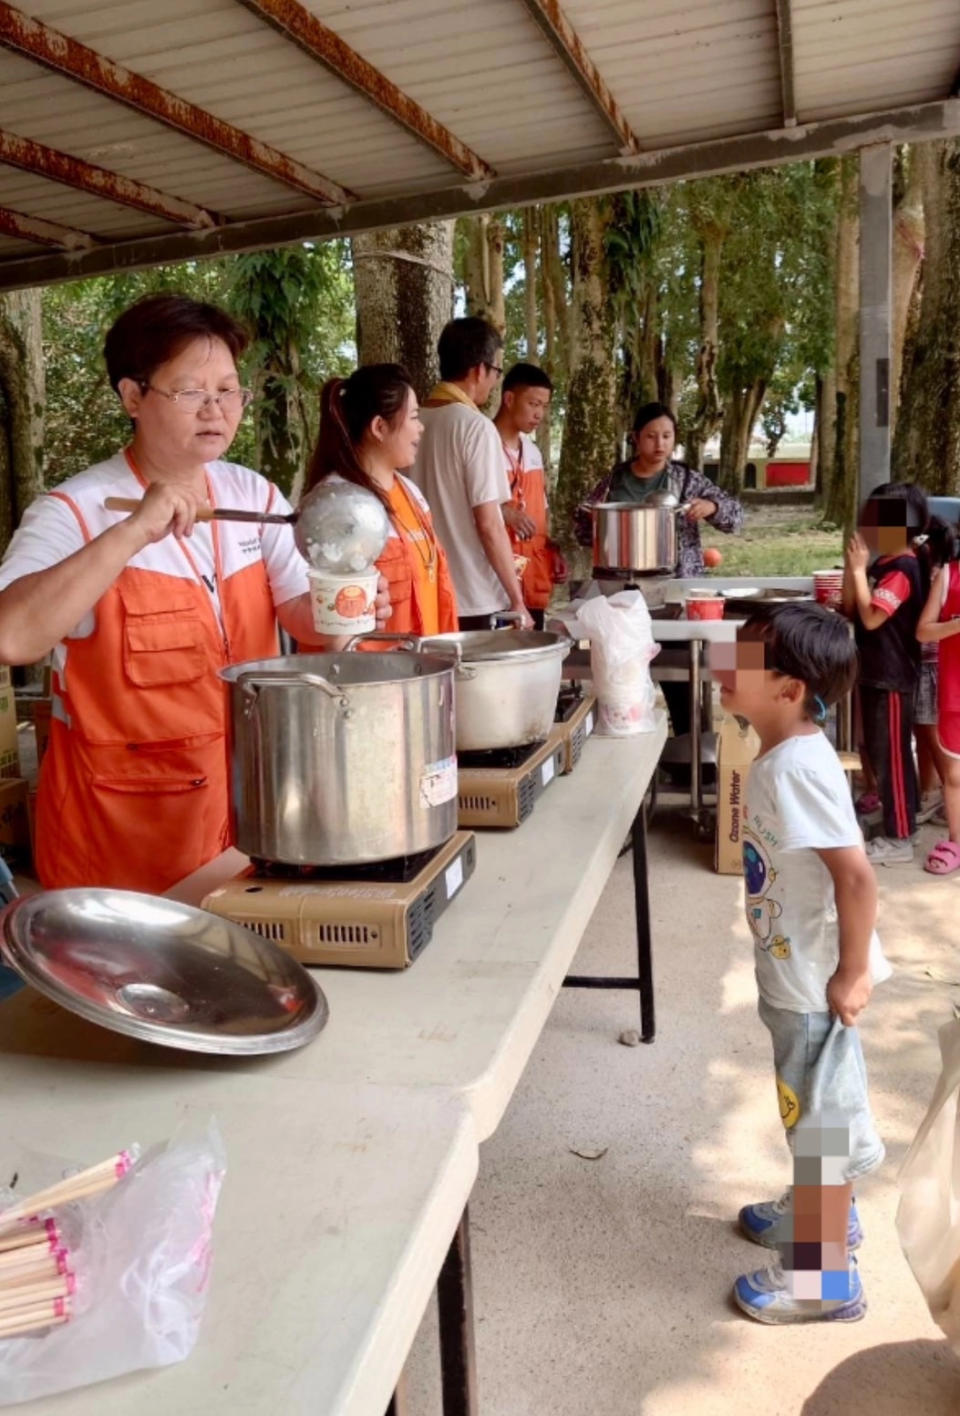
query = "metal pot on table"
{"x": 632, "y": 539}
{"x": 507, "y": 682}
{"x": 341, "y": 759}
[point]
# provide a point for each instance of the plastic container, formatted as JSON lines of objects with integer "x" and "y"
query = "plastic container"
{"x": 704, "y": 607}
{"x": 344, "y": 604}
{"x": 828, "y": 588}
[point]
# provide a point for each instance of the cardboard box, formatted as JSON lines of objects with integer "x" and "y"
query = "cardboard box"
{"x": 736, "y": 748}
{"x": 14, "y": 822}
{"x": 9, "y": 753}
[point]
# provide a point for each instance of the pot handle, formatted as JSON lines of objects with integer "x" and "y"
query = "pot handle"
{"x": 402, "y": 641}
{"x": 251, "y": 683}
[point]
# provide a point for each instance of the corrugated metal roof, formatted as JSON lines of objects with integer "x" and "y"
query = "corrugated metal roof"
{"x": 466, "y": 105}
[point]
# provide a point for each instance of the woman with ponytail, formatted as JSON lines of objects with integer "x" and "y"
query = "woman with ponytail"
{"x": 369, "y": 430}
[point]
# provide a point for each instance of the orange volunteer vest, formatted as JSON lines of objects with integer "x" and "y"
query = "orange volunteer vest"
{"x": 133, "y": 789}
{"x": 529, "y": 490}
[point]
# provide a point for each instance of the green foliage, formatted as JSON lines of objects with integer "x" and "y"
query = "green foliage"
{"x": 297, "y": 302}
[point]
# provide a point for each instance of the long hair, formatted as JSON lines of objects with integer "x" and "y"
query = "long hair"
{"x": 932, "y": 539}
{"x": 347, "y": 408}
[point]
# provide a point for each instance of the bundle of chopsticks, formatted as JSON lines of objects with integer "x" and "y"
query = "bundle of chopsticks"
{"x": 37, "y": 1280}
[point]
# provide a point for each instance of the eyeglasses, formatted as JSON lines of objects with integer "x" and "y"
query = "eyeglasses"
{"x": 191, "y": 400}
{"x": 494, "y": 369}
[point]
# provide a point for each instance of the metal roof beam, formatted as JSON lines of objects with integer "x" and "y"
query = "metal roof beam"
{"x": 24, "y": 35}
{"x": 571, "y": 49}
{"x": 98, "y": 181}
{"x": 787, "y": 65}
{"x": 830, "y": 138}
{"x": 295, "y": 22}
{"x": 43, "y": 233}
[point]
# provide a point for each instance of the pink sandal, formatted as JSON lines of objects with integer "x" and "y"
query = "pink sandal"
{"x": 944, "y": 859}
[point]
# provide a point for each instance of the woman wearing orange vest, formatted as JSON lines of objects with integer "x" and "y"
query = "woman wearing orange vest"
{"x": 524, "y": 403}
{"x": 141, "y": 611}
{"x": 369, "y": 428}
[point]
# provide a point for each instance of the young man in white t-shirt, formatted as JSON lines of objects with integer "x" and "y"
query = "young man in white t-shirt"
{"x": 811, "y": 901}
{"x": 460, "y": 470}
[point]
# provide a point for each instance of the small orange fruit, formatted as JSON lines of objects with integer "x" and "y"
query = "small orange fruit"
{"x": 712, "y": 556}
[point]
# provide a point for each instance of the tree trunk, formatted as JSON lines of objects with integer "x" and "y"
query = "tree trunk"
{"x": 841, "y": 501}
{"x": 739, "y": 416}
{"x": 709, "y": 414}
{"x": 927, "y": 443}
{"x": 484, "y": 269}
{"x": 815, "y": 435}
{"x": 555, "y": 276}
{"x": 21, "y": 407}
{"x": 908, "y": 238}
{"x": 404, "y": 291}
{"x": 589, "y": 438}
{"x": 826, "y": 434}
{"x": 530, "y": 319}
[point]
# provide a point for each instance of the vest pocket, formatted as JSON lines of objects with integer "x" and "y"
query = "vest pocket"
{"x": 163, "y": 648}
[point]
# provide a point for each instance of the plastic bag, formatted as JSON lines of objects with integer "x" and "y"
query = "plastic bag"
{"x": 928, "y": 1216}
{"x": 621, "y": 647}
{"x": 141, "y": 1253}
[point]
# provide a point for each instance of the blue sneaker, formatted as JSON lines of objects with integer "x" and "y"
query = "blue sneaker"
{"x": 765, "y": 1296}
{"x": 763, "y": 1223}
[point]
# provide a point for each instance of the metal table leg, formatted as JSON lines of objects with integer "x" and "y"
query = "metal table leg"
{"x": 458, "y": 1358}
{"x": 643, "y": 982}
{"x": 696, "y": 784}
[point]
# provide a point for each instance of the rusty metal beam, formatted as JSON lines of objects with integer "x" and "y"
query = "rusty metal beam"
{"x": 829, "y": 138}
{"x": 787, "y": 64}
{"x": 43, "y": 233}
{"x": 571, "y": 49}
{"x": 297, "y": 23}
{"x": 24, "y": 35}
{"x": 98, "y": 181}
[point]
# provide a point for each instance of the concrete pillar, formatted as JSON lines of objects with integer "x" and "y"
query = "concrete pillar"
{"x": 876, "y": 243}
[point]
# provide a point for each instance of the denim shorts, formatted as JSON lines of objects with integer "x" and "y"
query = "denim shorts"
{"x": 820, "y": 1069}
{"x": 925, "y": 701}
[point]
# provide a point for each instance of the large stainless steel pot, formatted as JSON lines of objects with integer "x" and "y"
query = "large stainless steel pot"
{"x": 507, "y": 684}
{"x": 635, "y": 540}
{"x": 338, "y": 759}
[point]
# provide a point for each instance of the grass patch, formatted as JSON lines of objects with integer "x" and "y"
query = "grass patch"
{"x": 778, "y": 543}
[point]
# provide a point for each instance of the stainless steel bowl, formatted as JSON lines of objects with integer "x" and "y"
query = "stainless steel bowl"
{"x": 162, "y": 971}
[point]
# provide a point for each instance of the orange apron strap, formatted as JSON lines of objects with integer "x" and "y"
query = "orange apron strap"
{"x": 68, "y": 501}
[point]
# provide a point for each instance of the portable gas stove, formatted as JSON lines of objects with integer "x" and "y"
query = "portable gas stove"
{"x": 576, "y": 720}
{"x": 378, "y": 916}
{"x": 499, "y": 788}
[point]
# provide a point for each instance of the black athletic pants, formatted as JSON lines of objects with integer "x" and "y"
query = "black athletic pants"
{"x": 887, "y": 718}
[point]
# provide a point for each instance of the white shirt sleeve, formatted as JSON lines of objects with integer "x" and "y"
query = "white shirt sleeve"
{"x": 485, "y": 477}
{"x": 48, "y": 533}
{"x": 810, "y": 816}
{"x": 286, "y": 567}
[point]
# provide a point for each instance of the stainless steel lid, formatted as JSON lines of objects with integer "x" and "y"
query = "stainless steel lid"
{"x": 345, "y": 669}
{"x": 162, "y": 971}
{"x": 474, "y": 646}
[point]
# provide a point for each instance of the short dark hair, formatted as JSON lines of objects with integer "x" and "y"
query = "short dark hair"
{"x": 809, "y": 643}
{"x": 915, "y": 516}
{"x": 525, "y": 376}
{"x": 157, "y": 328}
{"x": 649, "y": 413}
{"x": 464, "y": 344}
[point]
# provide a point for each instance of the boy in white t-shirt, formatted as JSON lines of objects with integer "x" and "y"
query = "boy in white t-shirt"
{"x": 811, "y": 901}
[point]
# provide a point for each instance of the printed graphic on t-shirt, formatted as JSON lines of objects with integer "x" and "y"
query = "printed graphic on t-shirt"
{"x": 891, "y": 592}
{"x": 764, "y": 909}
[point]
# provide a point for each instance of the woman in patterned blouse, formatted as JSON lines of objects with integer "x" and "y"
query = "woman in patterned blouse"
{"x": 653, "y": 469}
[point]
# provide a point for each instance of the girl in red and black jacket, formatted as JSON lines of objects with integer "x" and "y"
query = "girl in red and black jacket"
{"x": 884, "y": 596}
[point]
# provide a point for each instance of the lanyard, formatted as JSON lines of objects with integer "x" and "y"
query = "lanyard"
{"x": 516, "y": 470}
{"x": 188, "y": 556}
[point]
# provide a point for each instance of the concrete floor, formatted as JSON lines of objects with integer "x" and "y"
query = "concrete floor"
{"x": 601, "y": 1286}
